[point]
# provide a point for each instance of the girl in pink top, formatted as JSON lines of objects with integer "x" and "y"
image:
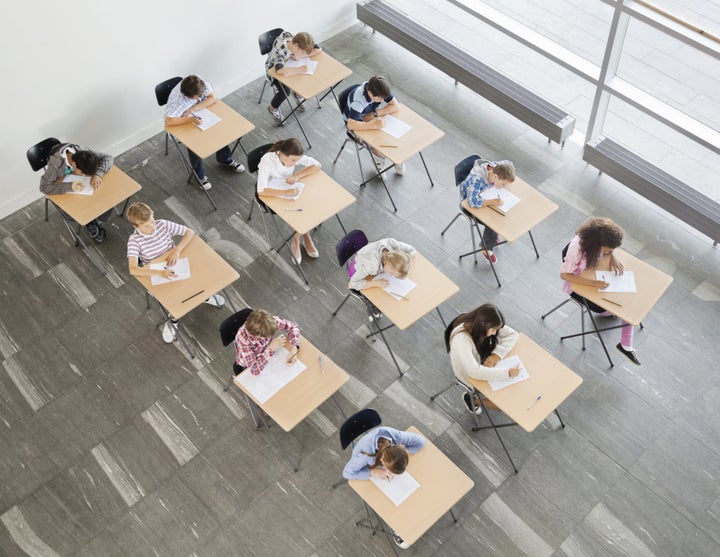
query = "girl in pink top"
{"x": 593, "y": 248}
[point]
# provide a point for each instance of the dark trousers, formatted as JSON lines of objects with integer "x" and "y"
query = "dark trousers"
{"x": 223, "y": 156}
{"x": 279, "y": 97}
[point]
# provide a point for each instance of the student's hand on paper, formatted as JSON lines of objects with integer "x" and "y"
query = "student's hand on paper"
{"x": 95, "y": 181}
{"x": 77, "y": 185}
{"x": 291, "y": 192}
{"x": 172, "y": 257}
{"x": 601, "y": 284}
{"x": 277, "y": 342}
{"x": 292, "y": 355}
{"x": 514, "y": 371}
{"x": 196, "y": 120}
{"x": 379, "y": 123}
{"x": 491, "y": 360}
{"x": 616, "y": 265}
{"x": 291, "y": 179}
{"x": 381, "y": 473}
{"x": 493, "y": 202}
{"x": 167, "y": 273}
{"x": 382, "y": 283}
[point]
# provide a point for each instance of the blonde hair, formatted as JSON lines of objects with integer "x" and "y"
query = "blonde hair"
{"x": 261, "y": 323}
{"x": 399, "y": 260}
{"x": 138, "y": 213}
{"x": 504, "y": 170}
{"x": 304, "y": 41}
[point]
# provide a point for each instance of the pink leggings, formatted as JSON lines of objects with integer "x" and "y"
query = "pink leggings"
{"x": 626, "y": 333}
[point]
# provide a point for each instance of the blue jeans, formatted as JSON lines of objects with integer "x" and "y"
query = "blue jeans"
{"x": 223, "y": 156}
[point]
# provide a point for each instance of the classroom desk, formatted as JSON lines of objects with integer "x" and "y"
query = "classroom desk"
{"x": 632, "y": 307}
{"x": 117, "y": 187}
{"x": 209, "y": 274}
{"x": 533, "y": 208}
{"x": 232, "y": 127}
{"x": 328, "y": 75}
{"x": 442, "y": 485}
{"x": 548, "y": 378}
{"x": 433, "y": 288}
{"x": 421, "y": 135}
{"x": 321, "y": 199}
{"x": 301, "y": 396}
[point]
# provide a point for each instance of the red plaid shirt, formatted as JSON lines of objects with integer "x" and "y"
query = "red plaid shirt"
{"x": 252, "y": 351}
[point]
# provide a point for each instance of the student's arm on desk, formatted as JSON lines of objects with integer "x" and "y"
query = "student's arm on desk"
{"x": 582, "y": 281}
{"x": 390, "y": 108}
{"x": 145, "y": 271}
{"x": 173, "y": 255}
{"x": 463, "y": 361}
{"x": 361, "y": 125}
{"x": 105, "y": 163}
{"x": 309, "y": 170}
{"x": 507, "y": 338}
{"x": 51, "y": 181}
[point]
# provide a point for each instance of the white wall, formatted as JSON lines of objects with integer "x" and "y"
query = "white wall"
{"x": 85, "y": 71}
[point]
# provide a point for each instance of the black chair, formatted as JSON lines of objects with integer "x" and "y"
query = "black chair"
{"x": 38, "y": 156}
{"x": 162, "y": 92}
{"x": 253, "y": 161}
{"x": 355, "y": 426}
{"x": 228, "y": 331}
{"x": 345, "y": 249}
{"x": 265, "y": 41}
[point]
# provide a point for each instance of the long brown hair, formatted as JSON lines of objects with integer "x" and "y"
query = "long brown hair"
{"x": 396, "y": 456}
{"x": 477, "y": 323}
{"x": 288, "y": 147}
{"x": 598, "y": 232}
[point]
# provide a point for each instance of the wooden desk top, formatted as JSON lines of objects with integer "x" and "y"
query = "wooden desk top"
{"x": 327, "y": 73}
{"x": 432, "y": 289}
{"x": 548, "y": 377}
{"x": 321, "y": 199}
{"x": 533, "y": 208}
{"x": 421, "y": 135}
{"x": 116, "y": 187}
{"x": 651, "y": 284}
{"x": 442, "y": 485}
{"x": 204, "y": 143}
{"x": 209, "y": 274}
{"x": 296, "y": 400}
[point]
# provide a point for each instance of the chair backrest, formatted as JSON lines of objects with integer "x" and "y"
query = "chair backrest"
{"x": 162, "y": 90}
{"x": 349, "y": 245}
{"x": 343, "y": 97}
{"x": 564, "y": 251}
{"x": 446, "y": 333}
{"x": 254, "y": 156}
{"x": 357, "y": 424}
{"x": 39, "y": 153}
{"x": 267, "y": 39}
{"x": 230, "y": 327}
{"x": 463, "y": 168}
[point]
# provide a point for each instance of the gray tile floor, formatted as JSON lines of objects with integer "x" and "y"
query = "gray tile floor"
{"x": 117, "y": 444}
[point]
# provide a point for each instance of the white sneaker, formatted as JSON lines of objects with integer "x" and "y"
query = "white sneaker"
{"x": 205, "y": 183}
{"x": 401, "y": 543}
{"x": 466, "y": 399}
{"x": 235, "y": 166}
{"x": 216, "y": 301}
{"x": 168, "y": 332}
{"x": 275, "y": 113}
{"x": 400, "y": 169}
{"x": 379, "y": 162}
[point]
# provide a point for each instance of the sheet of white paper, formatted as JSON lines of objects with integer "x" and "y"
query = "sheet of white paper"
{"x": 509, "y": 199}
{"x": 394, "y": 127}
{"x": 85, "y": 180}
{"x": 209, "y": 119}
{"x": 398, "y": 288}
{"x": 181, "y": 268}
{"x": 280, "y": 184}
{"x": 512, "y": 361}
{"x": 398, "y": 488}
{"x": 311, "y": 65}
{"x": 618, "y": 283}
{"x": 274, "y": 376}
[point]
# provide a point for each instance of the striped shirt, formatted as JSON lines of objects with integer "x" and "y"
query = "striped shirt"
{"x": 179, "y": 103}
{"x": 147, "y": 247}
{"x": 359, "y": 103}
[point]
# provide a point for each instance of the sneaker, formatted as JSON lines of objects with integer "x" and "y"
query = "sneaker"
{"x": 216, "y": 301}
{"x": 275, "y": 113}
{"x": 100, "y": 238}
{"x": 629, "y": 354}
{"x": 205, "y": 183}
{"x": 468, "y": 403}
{"x": 490, "y": 257}
{"x": 92, "y": 230}
{"x": 235, "y": 166}
{"x": 168, "y": 332}
{"x": 300, "y": 100}
{"x": 400, "y": 169}
{"x": 379, "y": 161}
{"x": 401, "y": 543}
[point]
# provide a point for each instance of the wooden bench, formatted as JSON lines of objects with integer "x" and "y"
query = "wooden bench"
{"x": 551, "y": 121}
{"x": 666, "y": 191}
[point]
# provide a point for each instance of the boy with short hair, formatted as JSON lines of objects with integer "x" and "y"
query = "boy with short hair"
{"x": 69, "y": 158}
{"x": 254, "y": 342}
{"x": 366, "y": 105}
{"x": 194, "y": 93}
{"x": 484, "y": 175}
{"x": 288, "y": 47}
{"x": 152, "y": 239}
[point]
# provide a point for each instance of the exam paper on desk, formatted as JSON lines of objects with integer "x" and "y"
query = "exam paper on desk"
{"x": 618, "y": 283}
{"x": 398, "y": 288}
{"x": 87, "y": 189}
{"x": 398, "y": 488}
{"x": 209, "y": 119}
{"x": 181, "y": 268}
{"x": 509, "y": 199}
{"x": 311, "y": 65}
{"x": 274, "y": 376}
{"x": 281, "y": 184}
{"x": 394, "y": 126}
{"x": 507, "y": 363}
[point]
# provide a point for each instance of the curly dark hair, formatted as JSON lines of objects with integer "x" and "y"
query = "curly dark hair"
{"x": 596, "y": 233}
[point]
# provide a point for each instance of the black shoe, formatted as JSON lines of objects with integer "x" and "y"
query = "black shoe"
{"x": 100, "y": 238}
{"x": 478, "y": 408}
{"x": 92, "y": 230}
{"x": 629, "y": 354}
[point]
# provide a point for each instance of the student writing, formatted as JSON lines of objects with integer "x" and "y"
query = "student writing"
{"x": 260, "y": 336}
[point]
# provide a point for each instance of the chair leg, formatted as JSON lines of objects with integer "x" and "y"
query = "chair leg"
{"x": 46, "y": 208}
{"x": 341, "y": 150}
{"x": 341, "y": 305}
{"x": 252, "y": 208}
{"x": 555, "y": 308}
{"x": 166, "y": 144}
{"x": 449, "y": 225}
{"x": 432, "y": 398}
{"x": 232, "y": 377}
{"x": 262, "y": 92}
{"x": 339, "y": 482}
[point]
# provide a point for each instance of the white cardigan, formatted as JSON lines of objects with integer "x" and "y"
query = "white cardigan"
{"x": 465, "y": 359}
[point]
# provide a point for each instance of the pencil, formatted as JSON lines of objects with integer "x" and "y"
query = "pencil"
{"x": 191, "y": 297}
{"x": 392, "y": 146}
{"x": 612, "y": 302}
